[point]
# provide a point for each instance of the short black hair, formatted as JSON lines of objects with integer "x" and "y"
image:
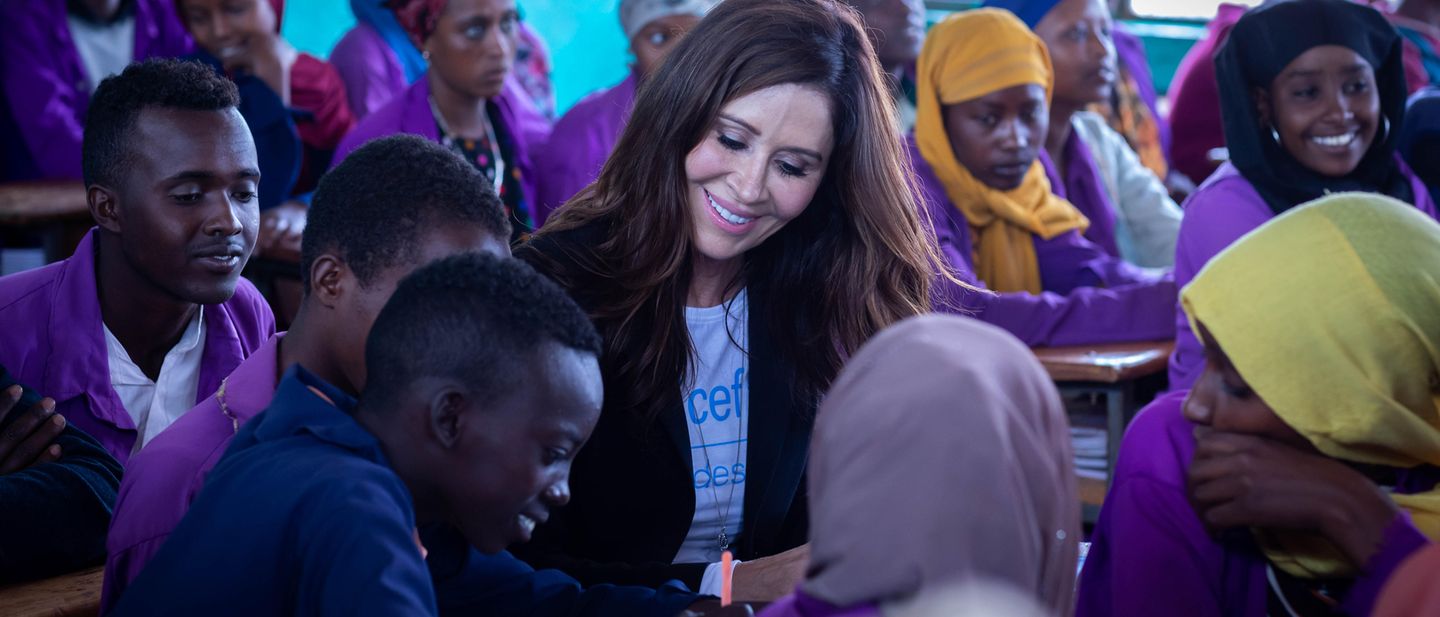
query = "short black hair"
{"x": 376, "y": 205}
{"x": 118, "y": 101}
{"x": 469, "y": 317}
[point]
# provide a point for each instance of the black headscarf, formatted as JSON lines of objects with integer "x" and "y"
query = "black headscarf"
{"x": 1261, "y": 45}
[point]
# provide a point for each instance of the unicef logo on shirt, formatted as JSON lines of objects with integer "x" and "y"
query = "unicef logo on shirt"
{"x": 716, "y": 414}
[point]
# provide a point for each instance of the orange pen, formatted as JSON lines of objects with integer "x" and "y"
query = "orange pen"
{"x": 726, "y": 562}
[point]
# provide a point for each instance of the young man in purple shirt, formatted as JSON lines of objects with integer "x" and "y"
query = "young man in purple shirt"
{"x": 150, "y": 313}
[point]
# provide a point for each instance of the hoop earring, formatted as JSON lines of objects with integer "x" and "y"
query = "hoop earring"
{"x": 1274, "y": 134}
{"x": 425, "y": 55}
{"x": 1384, "y": 128}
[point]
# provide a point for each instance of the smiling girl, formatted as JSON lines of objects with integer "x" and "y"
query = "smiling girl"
{"x": 1313, "y": 98}
{"x": 752, "y": 229}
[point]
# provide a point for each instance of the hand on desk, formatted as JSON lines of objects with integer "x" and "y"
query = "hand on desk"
{"x": 281, "y": 228}
{"x": 29, "y": 437}
{"x": 770, "y": 578}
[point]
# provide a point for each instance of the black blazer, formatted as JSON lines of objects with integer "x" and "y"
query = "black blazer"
{"x": 632, "y": 497}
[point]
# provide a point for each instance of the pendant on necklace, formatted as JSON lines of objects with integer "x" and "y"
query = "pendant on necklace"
{"x": 723, "y": 540}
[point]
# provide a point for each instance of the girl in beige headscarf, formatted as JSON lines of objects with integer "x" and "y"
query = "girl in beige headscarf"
{"x": 942, "y": 454}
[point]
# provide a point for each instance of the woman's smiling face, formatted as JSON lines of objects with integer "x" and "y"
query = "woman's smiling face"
{"x": 757, "y": 168}
{"x": 1326, "y": 109}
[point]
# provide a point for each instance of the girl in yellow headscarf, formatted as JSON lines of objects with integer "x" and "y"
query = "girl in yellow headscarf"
{"x": 1302, "y": 468}
{"x": 984, "y": 86}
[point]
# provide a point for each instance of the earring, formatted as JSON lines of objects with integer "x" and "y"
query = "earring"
{"x": 1384, "y": 128}
{"x": 426, "y": 55}
{"x": 1274, "y": 134}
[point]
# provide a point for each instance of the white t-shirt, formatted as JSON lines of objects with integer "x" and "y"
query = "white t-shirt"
{"x": 105, "y": 49}
{"x": 716, "y": 403}
{"x": 155, "y": 405}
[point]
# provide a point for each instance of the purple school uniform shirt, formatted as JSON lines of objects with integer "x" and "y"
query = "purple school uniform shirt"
{"x": 46, "y": 87}
{"x": 162, "y": 480}
{"x": 409, "y": 112}
{"x": 580, "y": 143}
{"x": 1090, "y": 296}
{"x": 54, "y": 341}
{"x": 1082, "y": 186}
{"x": 1151, "y": 555}
{"x": 373, "y": 78}
{"x": 1224, "y": 208}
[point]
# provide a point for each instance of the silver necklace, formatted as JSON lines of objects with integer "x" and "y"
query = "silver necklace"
{"x": 447, "y": 139}
{"x": 722, "y": 539}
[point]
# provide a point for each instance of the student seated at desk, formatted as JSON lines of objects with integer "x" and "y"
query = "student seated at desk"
{"x": 58, "y": 486}
{"x": 1088, "y": 164}
{"x": 742, "y": 242}
{"x": 1314, "y": 103}
{"x": 984, "y": 82}
{"x": 1302, "y": 468}
{"x": 150, "y": 313}
{"x": 970, "y": 478}
{"x": 481, "y": 384}
{"x": 461, "y": 101}
{"x": 585, "y": 135}
{"x": 52, "y": 57}
{"x": 355, "y": 255}
{"x": 300, "y": 93}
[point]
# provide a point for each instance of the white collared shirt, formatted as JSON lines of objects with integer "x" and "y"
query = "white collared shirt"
{"x": 104, "y": 49}
{"x": 155, "y": 405}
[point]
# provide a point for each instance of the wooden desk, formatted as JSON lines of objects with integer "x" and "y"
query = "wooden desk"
{"x": 31, "y": 203}
{"x": 57, "y": 209}
{"x": 1111, "y": 371}
{"x": 71, "y": 595}
{"x": 1105, "y": 363}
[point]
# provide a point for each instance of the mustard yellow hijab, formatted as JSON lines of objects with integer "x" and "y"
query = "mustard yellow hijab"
{"x": 966, "y": 56}
{"x": 1331, "y": 312}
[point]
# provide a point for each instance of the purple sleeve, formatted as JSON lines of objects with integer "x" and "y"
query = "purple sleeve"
{"x": 1401, "y": 540}
{"x": 1069, "y": 261}
{"x": 369, "y": 69}
{"x": 1127, "y": 312}
{"x": 1149, "y": 553}
{"x": 44, "y": 85}
{"x": 1216, "y": 215}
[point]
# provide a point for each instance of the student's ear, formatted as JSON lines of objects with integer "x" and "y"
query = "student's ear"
{"x": 1262, "y": 105}
{"x": 329, "y": 280}
{"x": 447, "y": 416}
{"x": 104, "y": 207}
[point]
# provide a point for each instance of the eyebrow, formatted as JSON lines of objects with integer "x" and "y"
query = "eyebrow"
{"x": 1354, "y": 68}
{"x": 197, "y": 174}
{"x": 756, "y": 132}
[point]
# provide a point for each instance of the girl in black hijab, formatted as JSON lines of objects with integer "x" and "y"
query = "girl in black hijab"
{"x": 1313, "y": 100}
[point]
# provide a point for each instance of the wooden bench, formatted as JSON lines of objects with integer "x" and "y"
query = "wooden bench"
{"x": 1110, "y": 371}
{"x": 72, "y": 595}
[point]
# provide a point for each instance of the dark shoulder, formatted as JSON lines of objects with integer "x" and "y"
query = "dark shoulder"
{"x": 569, "y": 258}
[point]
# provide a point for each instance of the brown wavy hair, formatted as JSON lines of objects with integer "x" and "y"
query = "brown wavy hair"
{"x": 856, "y": 260}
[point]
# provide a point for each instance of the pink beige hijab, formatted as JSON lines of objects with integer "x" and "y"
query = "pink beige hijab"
{"x": 941, "y": 454}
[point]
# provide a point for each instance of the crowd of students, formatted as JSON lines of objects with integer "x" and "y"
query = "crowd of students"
{"x": 753, "y": 323}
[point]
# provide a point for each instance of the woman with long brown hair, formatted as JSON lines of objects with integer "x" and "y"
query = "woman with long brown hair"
{"x": 753, "y": 227}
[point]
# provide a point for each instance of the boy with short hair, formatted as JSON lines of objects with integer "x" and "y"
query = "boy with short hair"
{"x": 150, "y": 313}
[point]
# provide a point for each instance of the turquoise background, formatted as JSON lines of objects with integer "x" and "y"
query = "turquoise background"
{"x": 586, "y": 45}
{"x": 590, "y": 52}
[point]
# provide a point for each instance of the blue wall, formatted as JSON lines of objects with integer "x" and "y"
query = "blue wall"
{"x": 586, "y": 44}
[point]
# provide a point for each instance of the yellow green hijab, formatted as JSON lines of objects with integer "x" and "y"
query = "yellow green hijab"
{"x": 1331, "y": 312}
{"x": 966, "y": 56}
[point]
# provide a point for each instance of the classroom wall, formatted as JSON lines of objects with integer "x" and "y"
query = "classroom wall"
{"x": 586, "y": 44}
{"x": 590, "y": 52}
